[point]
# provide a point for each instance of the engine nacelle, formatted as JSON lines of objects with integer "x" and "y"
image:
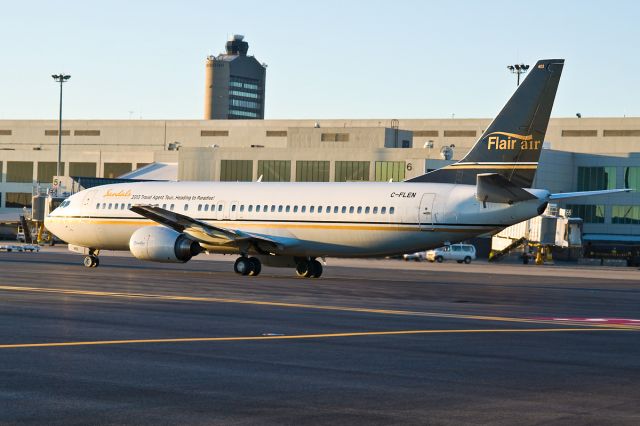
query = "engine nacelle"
{"x": 162, "y": 244}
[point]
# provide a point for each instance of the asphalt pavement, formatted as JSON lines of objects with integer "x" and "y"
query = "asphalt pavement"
{"x": 371, "y": 342}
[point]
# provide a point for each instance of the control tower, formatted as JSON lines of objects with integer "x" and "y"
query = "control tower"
{"x": 234, "y": 83}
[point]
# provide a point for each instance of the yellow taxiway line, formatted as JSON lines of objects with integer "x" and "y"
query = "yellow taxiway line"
{"x": 204, "y": 299}
{"x": 300, "y": 336}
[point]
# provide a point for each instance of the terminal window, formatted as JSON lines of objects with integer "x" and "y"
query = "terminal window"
{"x": 86, "y": 133}
{"x": 312, "y": 171}
{"x": 632, "y": 178}
{"x": 334, "y": 137}
{"x": 18, "y": 200}
{"x": 590, "y": 213}
{"x": 348, "y": 171}
{"x": 214, "y": 133}
{"x": 459, "y": 133}
{"x": 47, "y": 170}
{"x": 387, "y": 170}
{"x": 236, "y": 170}
{"x": 20, "y": 171}
{"x": 274, "y": 170}
{"x": 625, "y": 215}
{"x": 596, "y": 178}
{"x": 113, "y": 170}
{"x": 55, "y": 132}
{"x": 82, "y": 169}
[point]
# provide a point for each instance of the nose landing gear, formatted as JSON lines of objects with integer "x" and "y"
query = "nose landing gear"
{"x": 92, "y": 261}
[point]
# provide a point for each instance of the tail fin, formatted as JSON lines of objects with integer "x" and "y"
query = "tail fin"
{"x": 512, "y": 143}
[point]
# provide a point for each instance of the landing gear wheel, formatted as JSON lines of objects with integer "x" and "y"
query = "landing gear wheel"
{"x": 91, "y": 261}
{"x": 316, "y": 269}
{"x": 309, "y": 269}
{"x": 303, "y": 269}
{"x": 467, "y": 260}
{"x": 256, "y": 266}
{"x": 242, "y": 266}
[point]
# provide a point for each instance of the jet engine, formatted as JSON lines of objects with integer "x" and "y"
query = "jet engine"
{"x": 162, "y": 244}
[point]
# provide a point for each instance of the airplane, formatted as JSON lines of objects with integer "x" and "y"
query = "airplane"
{"x": 294, "y": 224}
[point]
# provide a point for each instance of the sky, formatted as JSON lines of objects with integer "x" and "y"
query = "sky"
{"x": 141, "y": 59}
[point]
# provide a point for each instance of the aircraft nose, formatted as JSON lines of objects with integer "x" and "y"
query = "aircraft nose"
{"x": 54, "y": 226}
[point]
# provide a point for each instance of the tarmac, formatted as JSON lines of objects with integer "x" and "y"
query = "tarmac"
{"x": 371, "y": 342}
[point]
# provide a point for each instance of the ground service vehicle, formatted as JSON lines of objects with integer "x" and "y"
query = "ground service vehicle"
{"x": 458, "y": 252}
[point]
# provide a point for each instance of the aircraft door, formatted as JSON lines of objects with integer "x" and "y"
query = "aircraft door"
{"x": 425, "y": 212}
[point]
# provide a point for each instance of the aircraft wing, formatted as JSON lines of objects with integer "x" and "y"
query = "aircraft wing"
{"x": 206, "y": 233}
{"x": 567, "y": 195}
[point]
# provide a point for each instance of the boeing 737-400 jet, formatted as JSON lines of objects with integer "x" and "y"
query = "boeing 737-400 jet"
{"x": 294, "y": 224}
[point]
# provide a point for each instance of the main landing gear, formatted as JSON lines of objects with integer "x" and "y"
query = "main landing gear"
{"x": 309, "y": 268}
{"x": 247, "y": 266}
{"x": 92, "y": 260}
{"x": 251, "y": 266}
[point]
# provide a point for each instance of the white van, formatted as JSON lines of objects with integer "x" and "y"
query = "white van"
{"x": 458, "y": 252}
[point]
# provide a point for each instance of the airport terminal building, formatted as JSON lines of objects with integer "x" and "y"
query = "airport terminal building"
{"x": 580, "y": 154}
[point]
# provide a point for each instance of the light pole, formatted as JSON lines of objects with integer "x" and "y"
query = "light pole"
{"x": 60, "y": 78}
{"x": 518, "y": 69}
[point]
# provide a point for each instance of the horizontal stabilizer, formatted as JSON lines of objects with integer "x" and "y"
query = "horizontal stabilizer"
{"x": 567, "y": 195}
{"x": 495, "y": 188}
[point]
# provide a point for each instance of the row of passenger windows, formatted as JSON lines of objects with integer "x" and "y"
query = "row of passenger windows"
{"x": 295, "y": 209}
{"x": 264, "y": 208}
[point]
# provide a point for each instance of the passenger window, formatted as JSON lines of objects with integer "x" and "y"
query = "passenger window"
{"x": 312, "y": 208}
{"x": 351, "y": 209}
{"x": 344, "y": 209}
{"x": 241, "y": 207}
{"x": 97, "y": 206}
{"x": 279, "y": 209}
{"x": 359, "y": 210}
{"x": 383, "y": 210}
{"x": 258, "y": 208}
{"x": 367, "y": 210}
{"x": 319, "y": 209}
{"x": 110, "y": 204}
{"x": 273, "y": 208}
{"x": 219, "y": 207}
{"x": 233, "y": 207}
{"x": 186, "y": 207}
{"x": 206, "y": 207}
{"x": 250, "y": 208}
{"x": 295, "y": 209}
{"x": 375, "y": 210}
{"x": 287, "y": 209}
{"x": 304, "y": 209}
{"x": 129, "y": 205}
{"x": 199, "y": 207}
{"x": 122, "y": 206}
{"x": 265, "y": 208}
{"x": 392, "y": 210}
{"x": 335, "y": 209}
{"x": 171, "y": 207}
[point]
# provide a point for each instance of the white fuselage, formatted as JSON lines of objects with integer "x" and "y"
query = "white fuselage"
{"x": 317, "y": 219}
